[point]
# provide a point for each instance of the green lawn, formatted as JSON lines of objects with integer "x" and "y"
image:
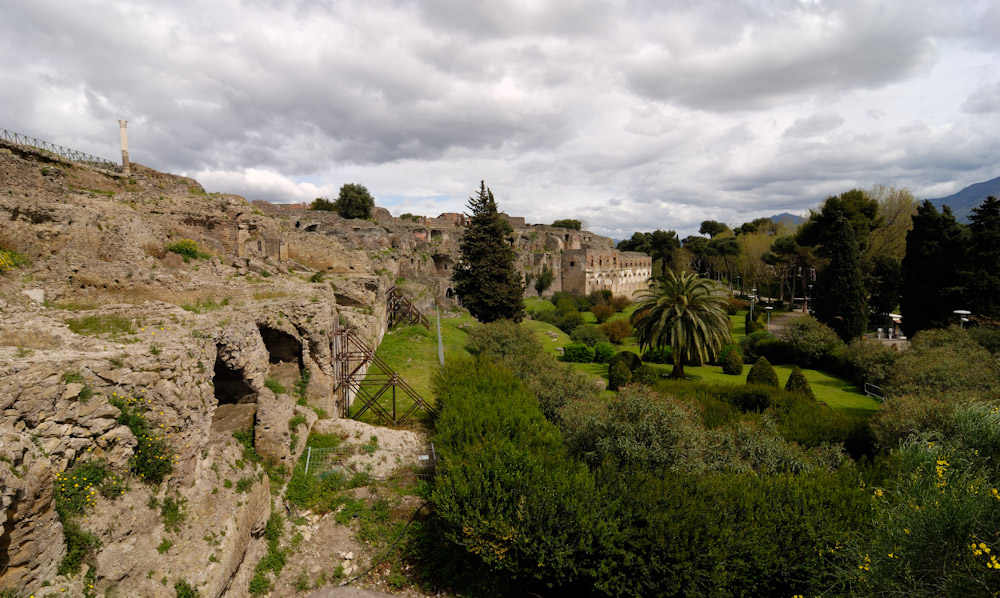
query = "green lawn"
{"x": 412, "y": 352}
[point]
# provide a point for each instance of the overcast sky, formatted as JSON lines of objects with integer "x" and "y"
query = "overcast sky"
{"x": 630, "y": 115}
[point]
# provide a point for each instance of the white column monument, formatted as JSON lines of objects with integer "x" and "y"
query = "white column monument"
{"x": 125, "y": 165}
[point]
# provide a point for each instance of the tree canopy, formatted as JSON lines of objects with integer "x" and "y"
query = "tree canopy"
{"x": 485, "y": 279}
{"x": 354, "y": 201}
{"x": 931, "y": 285}
{"x": 568, "y": 223}
{"x": 840, "y": 300}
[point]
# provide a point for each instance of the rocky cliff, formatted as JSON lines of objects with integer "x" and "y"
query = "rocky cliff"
{"x": 118, "y": 321}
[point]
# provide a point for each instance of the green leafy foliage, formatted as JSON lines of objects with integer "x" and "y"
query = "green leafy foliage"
{"x": 10, "y": 260}
{"x": 797, "y": 382}
{"x": 603, "y": 352}
{"x": 602, "y": 312}
{"x": 486, "y": 279}
{"x": 578, "y": 353}
{"x": 80, "y": 545}
{"x": 354, "y": 201}
{"x": 732, "y": 362}
{"x": 152, "y": 459}
{"x": 619, "y": 375}
{"x": 840, "y": 299}
{"x": 568, "y": 223}
{"x": 762, "y": 374}
{"x": 187, "y": 249}
{"x": 811, "y": 338}
{"x": 684, "y": 313}
{"x": 182, "y": 589}
{"x": 588, "y": 334}
{"x": 544, "y": 280}
{"x": 322, "y": 204}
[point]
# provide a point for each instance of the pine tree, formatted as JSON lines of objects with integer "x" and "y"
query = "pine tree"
{"x": 485, "y": 279}
{"x": 840, "y": 300}
{"x": 930, "y": 284}
{"x": 982, "y": 281}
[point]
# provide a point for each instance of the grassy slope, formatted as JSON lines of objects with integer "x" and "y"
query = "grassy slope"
{"x": 411, "y": 351}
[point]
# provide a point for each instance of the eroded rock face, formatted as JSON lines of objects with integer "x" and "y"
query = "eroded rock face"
{"x": 31, "y": 542}
{"x": 206, "y": 345}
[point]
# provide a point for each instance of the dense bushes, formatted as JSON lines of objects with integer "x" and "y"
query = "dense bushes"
{"x": 945, "y": 362}
{"x": 797, "y": 382}
{"x": 551, "y": 382}
{"x": 811, "y": 338}
{"x": 510, "y": 504}
{"x": 578, "y": 353}
{"x": 619, "y": 375}
{"x": 588, "y": 334}
{"x": 616, "y": 330}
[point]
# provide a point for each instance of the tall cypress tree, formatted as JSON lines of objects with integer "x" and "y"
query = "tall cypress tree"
{"x": 931, "y": 285}
{"x": 982, "y": 281}
{"x": 840, "y": 300}
{"x": 485, "y": 279}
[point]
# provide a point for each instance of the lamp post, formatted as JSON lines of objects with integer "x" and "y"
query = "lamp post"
{"x": 768, "y": 310}
{"x": 753, "y": 295}
{"x": 963, "y": 316}
{"x": 805, "y": 305}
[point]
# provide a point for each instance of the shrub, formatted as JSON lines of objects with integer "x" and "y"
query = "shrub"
{"x": 589, "y": 335}
{"x": 570, "y": 321}
{"x": 753, "y": 397}
{"x": 80, "y": 544}
{"x": 183, "y": 589}
{"x": 748, "y": 344}
{"x": 988, "y": 337}
{"x": 659, "y": 355}
{"x": 616, "y": 330}
{"x": 946, "y": 361}
{"x": 762, "y": 374}
{"x": 186, "y": 248}
{"x": 908, "y": 416}
{"x": 866, "y": 360}
{"x": 645, "y": 374}
{"x": 812, "y": 338}
{"x": 10, "y": 260}
{"x": 603, "y": 352}
{"x": 619, "y": 303}
{"x": 797, "y": 382}
{"x": 152, "y": 458}
{"x": 619, "y": 375}
{"x": 732, "y": 363}
{"x": 599, "y": 297}
{"x": 631, "y": 360}
{"x": 72, "y": 499}
{"x": 516, "y": 347}
{"x": 735, "y": 305}
{"x": 578, "y": 353}
{"x": 602, "y": 312}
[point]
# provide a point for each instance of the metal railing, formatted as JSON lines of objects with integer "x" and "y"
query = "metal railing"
{"x": 875, "y": 392}
{"x": 63, "y": 152}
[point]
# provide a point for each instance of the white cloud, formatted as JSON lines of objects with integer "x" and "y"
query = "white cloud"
{"x": 632, "y": 115}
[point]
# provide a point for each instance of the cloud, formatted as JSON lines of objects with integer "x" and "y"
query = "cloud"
{"x": 814, "y": 125}
{"x": 632, "y": 115}
{"x": 985, "y": 100}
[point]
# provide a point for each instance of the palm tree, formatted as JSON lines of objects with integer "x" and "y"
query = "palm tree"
{"x": 685, "y": 313}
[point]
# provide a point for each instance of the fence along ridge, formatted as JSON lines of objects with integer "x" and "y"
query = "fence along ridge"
{"x": 63, "y": 152}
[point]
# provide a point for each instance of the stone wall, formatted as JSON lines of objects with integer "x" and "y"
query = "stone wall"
{"x": 622, "y": 272}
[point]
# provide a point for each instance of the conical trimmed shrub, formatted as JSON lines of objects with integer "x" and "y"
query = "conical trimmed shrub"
{"x": 732, "y": 363}
{"x": 797, "y": 382}
{"x": 763, "y": 374}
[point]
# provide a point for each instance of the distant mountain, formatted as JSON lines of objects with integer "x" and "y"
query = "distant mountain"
{"x": 962, "y": 202}
{"x": 786, "y": 217}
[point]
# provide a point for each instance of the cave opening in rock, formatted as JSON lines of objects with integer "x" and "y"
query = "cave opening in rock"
{"x": 281, "y": 346}
{"x": 231, "y": 387}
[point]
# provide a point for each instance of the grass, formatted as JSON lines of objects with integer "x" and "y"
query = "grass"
{"x": 411, "y": 352}
{"x": 835, "y": 392}
{"x": 113, "y": 326}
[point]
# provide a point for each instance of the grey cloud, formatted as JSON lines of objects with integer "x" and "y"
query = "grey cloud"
{"x": 985, "y": 100}
{"x": 817, "y": 124}
{"x": 766, "y": 63}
